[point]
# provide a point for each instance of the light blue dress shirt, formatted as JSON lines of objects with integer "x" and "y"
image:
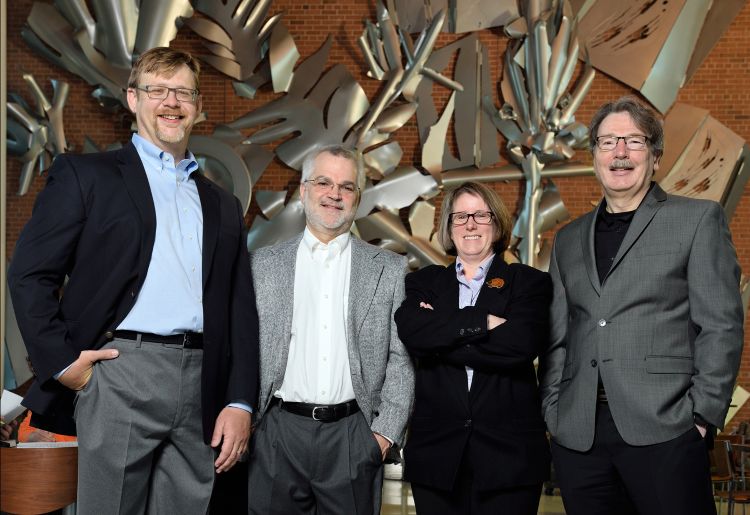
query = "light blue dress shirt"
{"x": 170, "y": 300}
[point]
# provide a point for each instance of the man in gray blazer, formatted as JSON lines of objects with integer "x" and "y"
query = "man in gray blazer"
{"x": 646, "y": 333}
{"x": 337, "y": 384}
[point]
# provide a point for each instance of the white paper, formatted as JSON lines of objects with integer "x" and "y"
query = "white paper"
{"x": 10, "y": 406}
{"x": 45, "y": 445}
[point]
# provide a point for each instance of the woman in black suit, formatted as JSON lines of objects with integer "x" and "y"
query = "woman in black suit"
{"x": 477, "y": 442}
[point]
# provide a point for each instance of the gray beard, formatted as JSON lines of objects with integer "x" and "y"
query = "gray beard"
{"x": 313, "y": 217}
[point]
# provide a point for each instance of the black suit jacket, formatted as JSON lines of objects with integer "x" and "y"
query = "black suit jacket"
{"x": 500, "y": 417}
{"x": 95, "y": 222}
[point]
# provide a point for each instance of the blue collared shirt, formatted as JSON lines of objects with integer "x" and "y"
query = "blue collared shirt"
{"x": 468, "y": 291}
{"x": 170, "y": 300}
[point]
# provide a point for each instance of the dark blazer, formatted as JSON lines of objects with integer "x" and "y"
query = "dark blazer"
{"x": 95, "y": 222}
{"x": 500, "y": 417}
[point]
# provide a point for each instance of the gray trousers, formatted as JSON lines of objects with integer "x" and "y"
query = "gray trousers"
{"x": 140, "y": 440}
{"x": 301, "y": 466}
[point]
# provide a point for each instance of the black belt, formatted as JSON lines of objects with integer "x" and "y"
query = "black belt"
{"x": 188, "y": 340}
{"x": 320, "y": 412}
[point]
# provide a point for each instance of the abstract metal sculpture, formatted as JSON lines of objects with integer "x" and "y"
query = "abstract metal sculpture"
{"x": 316, "y": 106}
{"x": 36, "y": 135}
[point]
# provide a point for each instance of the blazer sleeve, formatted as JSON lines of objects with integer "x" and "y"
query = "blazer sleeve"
{"x": 244, "y": 332}
{"x": 460, "y": 336}
{"x": 42, "y": 258}
{"x": 552, "y": 361}
{"x": 713, "y": 278}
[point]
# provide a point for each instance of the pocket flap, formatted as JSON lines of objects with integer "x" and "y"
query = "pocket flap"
{"x": 669, "y": 365}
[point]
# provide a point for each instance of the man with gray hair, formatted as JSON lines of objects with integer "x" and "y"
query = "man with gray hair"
{"x": 336, "y": 382}
{"x": 646, "y": 333}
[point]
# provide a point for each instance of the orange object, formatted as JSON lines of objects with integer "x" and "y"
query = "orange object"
{"x": 28, "y": 433}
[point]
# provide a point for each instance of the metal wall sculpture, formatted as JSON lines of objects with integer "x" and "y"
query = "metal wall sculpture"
{"x": 663, "y": 43}
{"x": 35, "y": 135}
{"x": 318, "y": 105}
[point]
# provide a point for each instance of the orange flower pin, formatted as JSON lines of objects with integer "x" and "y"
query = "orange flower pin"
{"x": 497, "y": 282}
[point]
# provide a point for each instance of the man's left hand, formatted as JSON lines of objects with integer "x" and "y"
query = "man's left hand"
{"x": 232, "y": 431}
{"x": 383, "y": 443}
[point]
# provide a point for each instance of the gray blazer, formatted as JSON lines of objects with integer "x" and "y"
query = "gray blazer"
{"x": 382, "y": 373}
{"x": 664, "y": 328}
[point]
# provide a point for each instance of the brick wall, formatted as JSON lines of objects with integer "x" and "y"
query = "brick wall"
{"x": 721, "y": 86}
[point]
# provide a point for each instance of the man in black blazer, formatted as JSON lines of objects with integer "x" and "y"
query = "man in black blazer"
{"x": 154, "y": 338}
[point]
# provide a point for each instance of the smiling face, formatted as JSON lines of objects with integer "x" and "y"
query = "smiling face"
{"x": 330, "y": 212}
{"x": 166, "y": 123}
{"x": 625, "y": 175}
{"x": 473, "y": 241}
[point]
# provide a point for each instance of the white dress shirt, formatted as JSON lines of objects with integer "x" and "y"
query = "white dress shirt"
{"x": 317, "y": 369}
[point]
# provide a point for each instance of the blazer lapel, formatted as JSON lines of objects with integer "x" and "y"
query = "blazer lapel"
{"x": 211, "y": 221}
{"x": 642, "y": 218}
{"x": 588, "y": 235}
{"x": 286, "y": 261}
{"x": 363, "y": 281}
{"x": 136, "y": 183}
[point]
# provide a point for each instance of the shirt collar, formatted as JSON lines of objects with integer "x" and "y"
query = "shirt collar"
{"x": 482, "y": 269}
{"x": 335, "y": 246}
{"x": 154, "y": 156}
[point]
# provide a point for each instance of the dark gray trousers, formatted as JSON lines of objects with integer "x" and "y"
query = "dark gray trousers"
{"x": 302, "y": 466}
{"x": 140, "y": 440}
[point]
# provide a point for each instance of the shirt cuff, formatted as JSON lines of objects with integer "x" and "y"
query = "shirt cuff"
{"x": 61, "y": 372}
{"x": 240, "y": 405}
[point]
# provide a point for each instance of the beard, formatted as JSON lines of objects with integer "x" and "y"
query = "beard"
{"x": 171, "y": 138}
{"x": 317, "y": 219}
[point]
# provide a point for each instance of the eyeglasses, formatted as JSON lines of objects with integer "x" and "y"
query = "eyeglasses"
{"x": 162, "y": 92}
{"x": 325, "y": 185}
{"x": 480, "y": 218}
{"x": 608, "y": 143}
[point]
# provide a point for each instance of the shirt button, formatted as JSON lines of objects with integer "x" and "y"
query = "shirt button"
{"x": 602, "y": 322}
{"x": 325, "y": 359}
{"x": 593, "y": 363}
{"x": 325, "y": 296}
{"x": 325, "y": 326}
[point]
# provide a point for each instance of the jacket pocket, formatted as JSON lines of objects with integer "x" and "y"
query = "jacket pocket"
{"x": 669, "y": 364}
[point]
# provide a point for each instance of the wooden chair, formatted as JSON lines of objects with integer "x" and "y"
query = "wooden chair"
{"x": 37, "y": 480}
{"x": 723, "y": 475}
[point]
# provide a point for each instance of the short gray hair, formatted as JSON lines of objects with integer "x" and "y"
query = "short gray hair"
{"x": 338, "y": 150}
